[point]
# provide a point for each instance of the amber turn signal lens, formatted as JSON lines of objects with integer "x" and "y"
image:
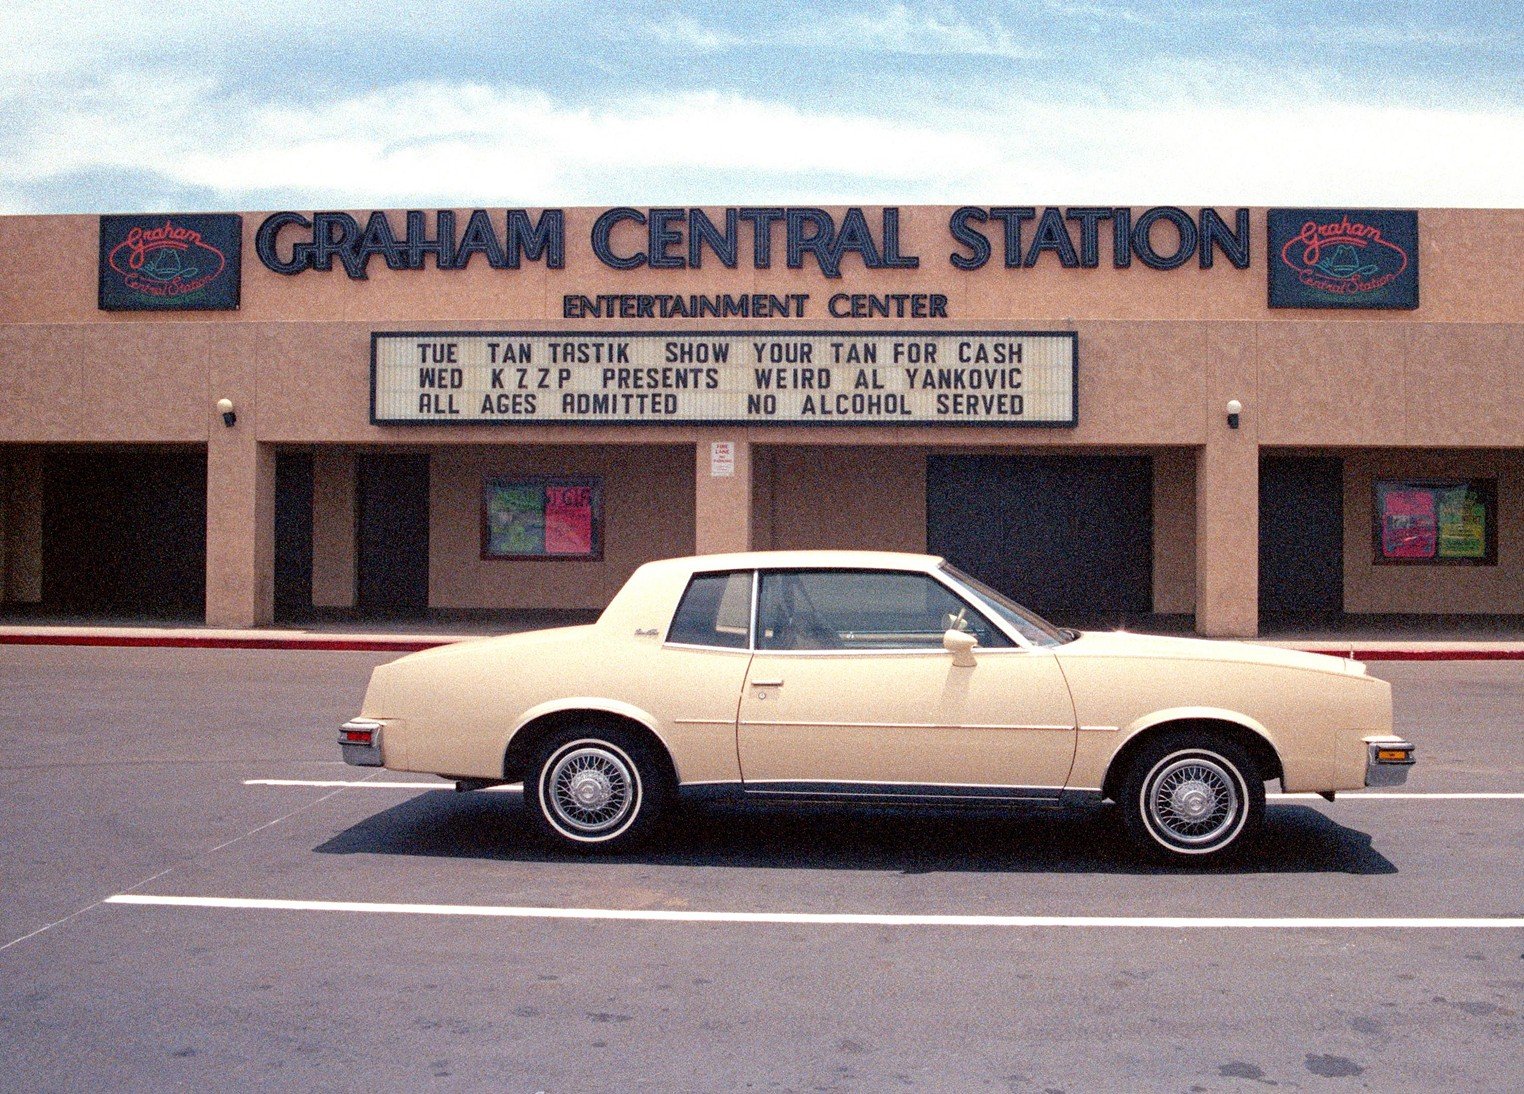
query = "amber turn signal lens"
{"x": 1393, "y": 755}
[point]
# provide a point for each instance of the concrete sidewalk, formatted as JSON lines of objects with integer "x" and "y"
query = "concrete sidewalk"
{"x": 406, "y": 636}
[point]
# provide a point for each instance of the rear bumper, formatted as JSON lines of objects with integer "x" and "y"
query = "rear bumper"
{"x": 360, "y": 742}
{"x": 1387, "y": 760}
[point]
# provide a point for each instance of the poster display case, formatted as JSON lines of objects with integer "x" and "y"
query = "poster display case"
{"x": 1436, "y": 522}
{"x": 542, "y": 517}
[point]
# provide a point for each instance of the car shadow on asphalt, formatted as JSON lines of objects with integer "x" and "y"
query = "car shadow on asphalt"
{"x": 492, "y": 826}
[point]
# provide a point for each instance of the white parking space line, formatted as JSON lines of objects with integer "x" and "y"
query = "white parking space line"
{"x": 1174, "y": 923}
{"x": 368, "y": 785}
{"x": 1407, "y": 795}
{"x": 349, "y": 782}
{"x": 1344, "y": 796}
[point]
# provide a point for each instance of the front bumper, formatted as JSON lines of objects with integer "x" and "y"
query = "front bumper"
{"x": 360, "y": 742}
{"x": 1387, "y": 760}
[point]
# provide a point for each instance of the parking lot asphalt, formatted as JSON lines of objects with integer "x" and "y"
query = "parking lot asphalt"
{"x": 1025, "y": 952}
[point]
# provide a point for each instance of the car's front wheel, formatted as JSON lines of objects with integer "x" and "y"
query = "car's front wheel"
{"x": 595, "y": 788}
{"x": 1189, "y": 797}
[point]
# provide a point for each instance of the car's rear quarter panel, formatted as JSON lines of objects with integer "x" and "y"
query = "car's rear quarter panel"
{"x": 454, "y": 710}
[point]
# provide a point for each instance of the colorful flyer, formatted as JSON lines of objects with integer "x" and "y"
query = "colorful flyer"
{"x": 515, "y": 519}
{"x": 1462, "y": 523}
{"x": 568, "y": 520}
{"x": 1408, "y": 524}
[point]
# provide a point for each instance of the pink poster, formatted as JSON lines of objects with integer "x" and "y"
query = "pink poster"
{"x": 568, "y": 520}
{"x": 1409, "y": 528}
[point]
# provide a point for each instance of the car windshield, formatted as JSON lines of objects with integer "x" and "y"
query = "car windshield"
{"x": 1033, "y": 627}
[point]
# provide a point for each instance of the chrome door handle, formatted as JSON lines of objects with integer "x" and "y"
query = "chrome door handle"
{"x": 767, "y": 683}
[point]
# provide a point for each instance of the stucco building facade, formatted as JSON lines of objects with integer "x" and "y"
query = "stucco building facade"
{"x": 1375, "y": 463}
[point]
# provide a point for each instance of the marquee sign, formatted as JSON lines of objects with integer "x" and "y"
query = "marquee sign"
{"x": 1343, "y": 258}
{"x": 1001, "y": 378}
{"x": 170, "y": 262}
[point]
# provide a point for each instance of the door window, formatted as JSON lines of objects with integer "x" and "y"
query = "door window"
{"x": 715, "y": 611}
{"x": 863, "y": 610}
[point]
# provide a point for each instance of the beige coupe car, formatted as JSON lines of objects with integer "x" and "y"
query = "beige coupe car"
{"x": 873, "y": 677}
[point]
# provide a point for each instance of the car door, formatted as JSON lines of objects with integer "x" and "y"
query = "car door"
{"x": 699, "y": 672}
{"x": 850, "y": 692}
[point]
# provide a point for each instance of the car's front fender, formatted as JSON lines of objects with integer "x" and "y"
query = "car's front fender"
{"x": 1098, "y": 746}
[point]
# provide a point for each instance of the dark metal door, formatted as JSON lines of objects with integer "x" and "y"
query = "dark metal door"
{"x": 293, "y": 535}
{"x": 1301, "y": 534}
{"x": 1066, "y": 535}
{"x": 124, "y": 533}
{"x": 393, "y": 522}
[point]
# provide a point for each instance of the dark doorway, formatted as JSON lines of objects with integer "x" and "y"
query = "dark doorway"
{"x": 124, "y": 534}
{"x": 293, "y": 536}
{"x": 1070, "y": 536}
{"x": 1301, "y": 535}
{"x": 393, "y": 497}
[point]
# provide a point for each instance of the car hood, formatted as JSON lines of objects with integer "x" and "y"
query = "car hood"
{"x": 1122, "y": 644}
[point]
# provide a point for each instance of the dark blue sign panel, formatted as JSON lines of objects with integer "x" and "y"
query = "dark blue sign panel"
{"x": 170, "y": 262}
{"x": 1343, "y": 258}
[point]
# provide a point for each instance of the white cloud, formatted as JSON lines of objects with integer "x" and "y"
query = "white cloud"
{"x": 898, "y": 29}
{"x": 893, "y": 29}
{"x": 1121, "y": 13}
{"x": 437, "y": 143}
{"x": 686, "y": 32}
{"x": 469, "y": 143}
{"x": 72, "y": 38}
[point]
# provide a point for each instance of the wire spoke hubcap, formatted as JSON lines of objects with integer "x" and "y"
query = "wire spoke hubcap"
{"x": 591, "y": 789}
{"x": 1194, "y": 800}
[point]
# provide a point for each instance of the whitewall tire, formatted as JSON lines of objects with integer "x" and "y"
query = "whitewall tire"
{"x": 1192, "y": 798}
{"x": 594, "y": 789}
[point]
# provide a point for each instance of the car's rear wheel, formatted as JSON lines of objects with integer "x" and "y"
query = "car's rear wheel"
{"x": 1193, "y": 798}
{"x": 595, "y": 788}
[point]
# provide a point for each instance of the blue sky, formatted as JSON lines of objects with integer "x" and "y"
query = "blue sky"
{"x": 271, "y": 104}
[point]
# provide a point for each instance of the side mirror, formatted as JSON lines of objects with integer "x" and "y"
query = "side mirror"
{"x": 961, "y": 645}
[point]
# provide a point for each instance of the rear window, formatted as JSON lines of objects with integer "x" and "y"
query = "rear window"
{"x": 715, "y": 611}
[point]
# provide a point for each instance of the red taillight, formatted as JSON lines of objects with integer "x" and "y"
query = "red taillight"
{"x": 357, "y": 736}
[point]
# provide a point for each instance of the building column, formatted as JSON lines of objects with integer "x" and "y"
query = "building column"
{"x": 1174, "y": 531}
{"x": 1227, "y": 535}
{"x": 722, "y": 494}
{"x": 21, "y": 531}
{"x": 333, "y": 529}
{"x": 240, "y": 529}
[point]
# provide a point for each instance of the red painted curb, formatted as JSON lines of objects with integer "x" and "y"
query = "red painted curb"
{"x": 1429, "y": 655}
{"x": 188, "y": 643}
{"x": 413, "y": 645}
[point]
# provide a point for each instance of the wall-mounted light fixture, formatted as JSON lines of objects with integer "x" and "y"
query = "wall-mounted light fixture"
{"x": 1234, "y": 408}
{"x": 229, "y": 415}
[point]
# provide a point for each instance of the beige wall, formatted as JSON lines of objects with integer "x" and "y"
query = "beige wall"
{"x": 48, "y": 274}
{"x": 1146, "y": 382}
{"x": 647, "y": 511}
{"x": 825, "y": 497}
{"x": 1433, "y": 589}
{"x": 295, "y": 358}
